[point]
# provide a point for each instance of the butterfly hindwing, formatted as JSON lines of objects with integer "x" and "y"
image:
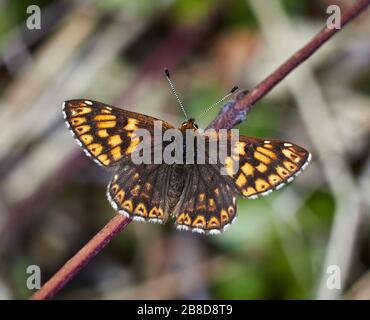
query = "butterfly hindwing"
{"x": 140, "y": 191}
{"x": 207, "y": 204}
{"x": 104, "y": 132}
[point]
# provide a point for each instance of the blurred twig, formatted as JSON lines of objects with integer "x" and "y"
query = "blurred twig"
{"x": 229, "y": 116}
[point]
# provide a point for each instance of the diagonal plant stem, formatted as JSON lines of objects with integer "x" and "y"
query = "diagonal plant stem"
{"x": 81, "y": 258}
{"x": 229, "y": 116}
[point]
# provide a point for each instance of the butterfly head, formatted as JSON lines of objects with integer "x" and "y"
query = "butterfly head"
{"x": 189, "y": 124}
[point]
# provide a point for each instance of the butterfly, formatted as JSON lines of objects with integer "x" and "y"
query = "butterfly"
{"x": 197, "y": 196}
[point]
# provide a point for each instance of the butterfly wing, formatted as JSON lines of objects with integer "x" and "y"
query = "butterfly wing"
{"x": 208, "y": 201}
{"x": 104, "y": 132}
{"x": 207, "y": 204}
{"x": 264, "y": 165}
{"x": 140, "y": 191}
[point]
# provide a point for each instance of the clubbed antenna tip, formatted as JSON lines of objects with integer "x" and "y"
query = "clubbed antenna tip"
{"x": 219, "y": 101}
{"x": 234, "y": 89}
{"x": 167, "y": 73}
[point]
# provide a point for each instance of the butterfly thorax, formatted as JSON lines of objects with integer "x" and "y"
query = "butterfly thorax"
{"x": 189, "y": 124}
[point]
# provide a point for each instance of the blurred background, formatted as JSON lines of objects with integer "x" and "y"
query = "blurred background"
{"x": 52, "y": 197}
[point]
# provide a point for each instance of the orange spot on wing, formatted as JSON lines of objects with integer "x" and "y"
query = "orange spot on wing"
{"x": 80, "y": 111}
{"x": 83, "y": 129}
{"x": 105, "y": 117}
{"x": 103, "y": 158}
{"x": 116, "y": 153}
{"x": 261, "y": 185}
{"x": 240, "y": 148}
{"x": 95, "y": 149}
{"x": 156, "y": 213}
{"x": 248, "y": 169}
{"x": 141, "y": 210}
{"x": 229, "y": 166}
{"x": 211, "y": 204}
{"x": 120, "y": 195}
{"x": 282, "y": 172}
{"x": 135, "y": 190}
{"x": 241, "y": 180}
{"x": 103, "y": 133}
{"x": 274, "y": 179}
{"x": 87, "y": 138}
{"x": 267, "y": 152}
{"x": 134, "y": 142}
{"x": 199, "y": 222}
{"x": 259, "y": 156}
{"x": 127, "y": 205}
{"x": 78, "y": 120}
{"x": 213, "y": 223}
{"x": 231, "y": 210}
{"x": 261, "y": 167}
{"x": 291, "y": 155}
{"x": 183, "y": 218}
{"x": 131, "y": 124}
{"x": 290, "y": 166}
{"x": 224, "y": 217}
{"x": 106, "y": 124}
{"x": 249, "y": 191}
{"x": 115, "y": 140}
{"x": 115, "y": 188}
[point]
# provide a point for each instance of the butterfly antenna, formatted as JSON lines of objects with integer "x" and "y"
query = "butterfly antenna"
{"x": 219, "y": 101}
{"x": 167, "y": 73}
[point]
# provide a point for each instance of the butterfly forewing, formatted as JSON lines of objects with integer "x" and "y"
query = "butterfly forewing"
{"x": 104, "y": 132}
{"x": 264, "y": 165}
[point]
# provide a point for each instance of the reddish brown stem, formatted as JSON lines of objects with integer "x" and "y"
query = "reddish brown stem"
{"x": 81, "y": 258}
{"x": 230, "y": 115}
